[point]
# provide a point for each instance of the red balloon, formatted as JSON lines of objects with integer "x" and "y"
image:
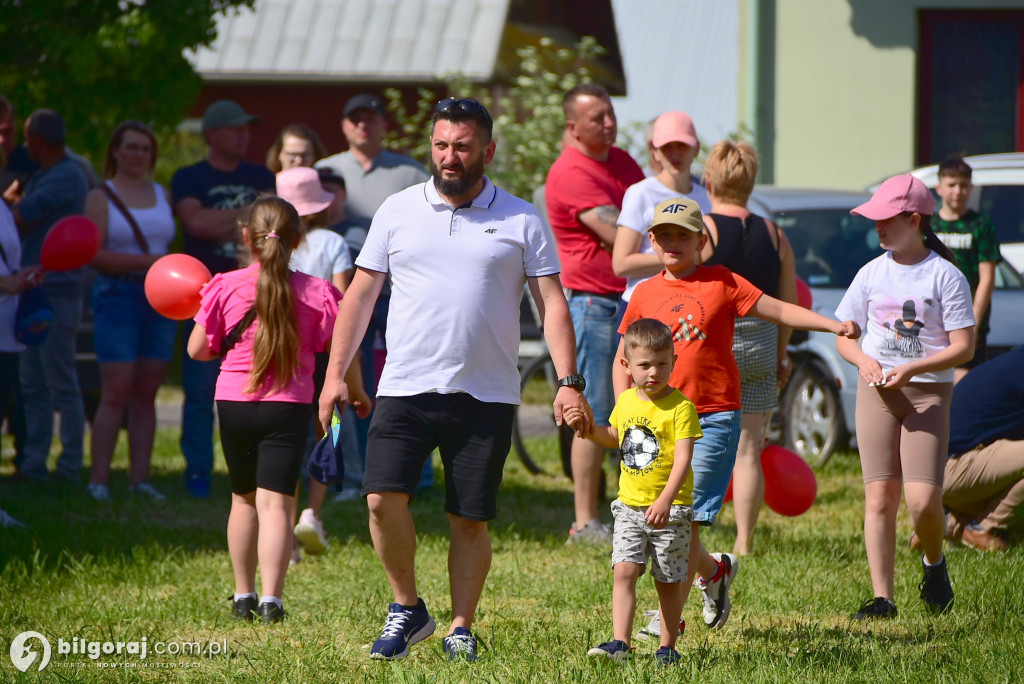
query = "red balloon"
{"x": 71, "y": 243}
{"x": 803, "y": 294}
{"x": 728, "y": 493}
{"x": 173, "y": 283}
{"x": 789, "y": 483}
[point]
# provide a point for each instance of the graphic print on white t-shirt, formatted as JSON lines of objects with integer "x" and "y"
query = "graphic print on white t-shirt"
{"x": 902, "y": 327}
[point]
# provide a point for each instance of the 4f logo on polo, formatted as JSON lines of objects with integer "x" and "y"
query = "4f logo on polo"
{"x": 673, "y": 209}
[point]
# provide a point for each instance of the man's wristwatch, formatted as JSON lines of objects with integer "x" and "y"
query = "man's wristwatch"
{"x": 576, "y": 381}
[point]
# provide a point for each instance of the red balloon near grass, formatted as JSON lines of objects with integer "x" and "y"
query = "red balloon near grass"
{"x": 173, "y": 283}
{"x": 789, "y": 483}
{"x": 71, "y": 243}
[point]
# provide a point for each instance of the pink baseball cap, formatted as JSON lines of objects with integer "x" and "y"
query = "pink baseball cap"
{"x": 895, "y": 196}
{"x": 674, "y": 127}
{"x": 301, "y": 188}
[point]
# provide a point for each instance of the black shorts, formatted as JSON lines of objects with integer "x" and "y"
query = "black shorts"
{"x": 473, "y": 437}
{"x": 264, "y": 443}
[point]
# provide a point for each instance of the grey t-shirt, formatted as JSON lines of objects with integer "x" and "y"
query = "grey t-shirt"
{"x": 366, "y": 190}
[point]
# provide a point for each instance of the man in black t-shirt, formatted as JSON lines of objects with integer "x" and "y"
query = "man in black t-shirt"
{"x": 209, "y": 198}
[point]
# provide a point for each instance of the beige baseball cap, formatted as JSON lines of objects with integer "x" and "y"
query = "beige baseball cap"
{"x": 678, "y": 211}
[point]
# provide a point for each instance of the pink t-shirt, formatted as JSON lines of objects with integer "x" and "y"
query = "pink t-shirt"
{"x": 230, "y": 295}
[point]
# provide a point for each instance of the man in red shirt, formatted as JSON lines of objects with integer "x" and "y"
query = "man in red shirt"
{"x": 584, "y": 193}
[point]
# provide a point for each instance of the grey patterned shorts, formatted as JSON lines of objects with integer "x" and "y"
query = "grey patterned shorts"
{"x": 756, "y": 348}
{"x": 634, "y": 541}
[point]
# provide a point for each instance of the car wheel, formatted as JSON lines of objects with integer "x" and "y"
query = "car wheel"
{"x": 812, "y": 416}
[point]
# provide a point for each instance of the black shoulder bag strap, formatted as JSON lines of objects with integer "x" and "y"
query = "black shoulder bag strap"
{"x": 231, "y": 339}
{"x": 139, "y": 237}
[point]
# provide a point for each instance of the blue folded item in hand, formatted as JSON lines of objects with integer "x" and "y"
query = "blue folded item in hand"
{"x": 324, "y": 464}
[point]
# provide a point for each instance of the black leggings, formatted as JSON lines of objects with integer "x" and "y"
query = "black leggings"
{"x": 264, "y": 443}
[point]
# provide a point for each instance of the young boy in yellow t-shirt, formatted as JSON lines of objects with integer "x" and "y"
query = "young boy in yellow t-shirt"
{"x": 655, "y": 426}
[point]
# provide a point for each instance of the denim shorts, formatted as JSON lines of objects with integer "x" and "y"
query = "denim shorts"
{"x": 126, "y": 326}
{"x": 713, "y": 458}
{"x": 596, "y": 321}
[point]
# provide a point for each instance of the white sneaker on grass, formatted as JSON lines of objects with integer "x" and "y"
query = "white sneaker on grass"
{"x": 147, "y": 490}
{"x": 310, "y": 533}
{"x": 716, "y": 593}
{"x": 99, "y": 492}
{"x": 652, "y": 630}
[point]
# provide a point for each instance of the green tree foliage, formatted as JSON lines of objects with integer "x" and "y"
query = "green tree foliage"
{"x": 528, "y": 119}
{"x": 99, "y": 62}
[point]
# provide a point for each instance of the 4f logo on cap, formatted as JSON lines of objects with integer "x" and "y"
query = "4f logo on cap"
{"x": 674, "y": 209}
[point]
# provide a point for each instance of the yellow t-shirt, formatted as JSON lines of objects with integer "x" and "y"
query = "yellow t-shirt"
{"x": 648, "y": 431}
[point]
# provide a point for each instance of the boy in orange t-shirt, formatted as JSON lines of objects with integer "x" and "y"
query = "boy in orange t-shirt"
{"x": 700, "y": 305}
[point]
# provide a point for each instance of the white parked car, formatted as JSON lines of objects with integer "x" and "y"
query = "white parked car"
{"x": 816, "y": 412}
{"x": 998, "y": 194}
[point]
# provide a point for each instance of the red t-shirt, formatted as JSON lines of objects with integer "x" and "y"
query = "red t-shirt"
{"x": 701, "y": 311}
{"x": 575, "y": 184}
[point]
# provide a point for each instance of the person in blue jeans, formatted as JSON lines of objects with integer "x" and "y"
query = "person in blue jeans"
{"x": 209, "y": 198}
{"x": 48, "y": 377}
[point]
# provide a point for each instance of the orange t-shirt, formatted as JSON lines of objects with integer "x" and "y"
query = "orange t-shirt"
{"x": 701, "y": 310}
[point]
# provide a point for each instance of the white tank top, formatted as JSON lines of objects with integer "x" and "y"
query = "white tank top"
{"x": 156, "y": 223}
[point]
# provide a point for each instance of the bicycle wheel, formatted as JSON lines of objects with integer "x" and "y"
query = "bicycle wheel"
{"x": 537, "y": 387}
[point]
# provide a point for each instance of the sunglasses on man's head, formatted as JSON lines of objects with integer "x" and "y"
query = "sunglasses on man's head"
{"x": 466, "y": 105}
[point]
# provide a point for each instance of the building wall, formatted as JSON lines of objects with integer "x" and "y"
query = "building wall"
{"x": 845, "y": 88}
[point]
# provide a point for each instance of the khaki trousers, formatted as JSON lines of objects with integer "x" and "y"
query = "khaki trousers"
{"x": 986, "y": 485}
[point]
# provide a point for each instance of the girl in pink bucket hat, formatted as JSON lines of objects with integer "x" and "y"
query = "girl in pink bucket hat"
{"x": 905, "y": 383}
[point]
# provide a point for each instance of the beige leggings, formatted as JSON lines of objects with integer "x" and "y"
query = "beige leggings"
{"x": 903, "y": 432}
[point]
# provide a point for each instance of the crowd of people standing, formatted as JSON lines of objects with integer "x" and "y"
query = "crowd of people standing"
{"x": 317, "y": 259}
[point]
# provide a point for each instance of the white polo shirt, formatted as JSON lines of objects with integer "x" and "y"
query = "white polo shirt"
{"x": 457, "y": 276}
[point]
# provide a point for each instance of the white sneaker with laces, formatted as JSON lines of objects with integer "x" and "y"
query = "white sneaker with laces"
{"x": 716, "y": 594}
{"x": 310, "y": 533}
{"x": 147, "y": 490}
{"x": 652, "y": 631}
{"x": 100, "y": 492}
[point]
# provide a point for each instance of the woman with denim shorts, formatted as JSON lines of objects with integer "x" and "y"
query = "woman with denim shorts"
{"x": 133, "y": 342}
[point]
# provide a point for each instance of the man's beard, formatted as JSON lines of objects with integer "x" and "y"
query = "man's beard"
{"x": 455, "y": 187}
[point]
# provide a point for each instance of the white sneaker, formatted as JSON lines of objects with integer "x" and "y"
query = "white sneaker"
{"x": 716, "y": 594}
{"x": 593, "y": 532}
{"x": 100, "y": 492}
{"x": 147, "y": 490}
{"x": 652, "y": 631}
{"x": 310, "y": 533}
{"x": 7, "y": 520}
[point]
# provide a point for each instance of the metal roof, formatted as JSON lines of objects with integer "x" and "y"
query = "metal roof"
{"x": 355, "y": 40}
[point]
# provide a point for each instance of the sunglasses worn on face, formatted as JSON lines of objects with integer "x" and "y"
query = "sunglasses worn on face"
{"x": 466, "y": 105}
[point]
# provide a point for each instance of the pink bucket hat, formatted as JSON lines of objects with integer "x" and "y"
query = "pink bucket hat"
{"x": 674, "y": 127}
{"x": 895, "y": 196}
{"x": 301, "y": 188}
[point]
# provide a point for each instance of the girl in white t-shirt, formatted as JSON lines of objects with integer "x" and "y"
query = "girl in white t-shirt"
{"x": 915, "y": 309}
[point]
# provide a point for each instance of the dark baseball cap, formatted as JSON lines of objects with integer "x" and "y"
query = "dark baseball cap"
{"x": 371, "y": 102}
{"x": 226, "y": 113}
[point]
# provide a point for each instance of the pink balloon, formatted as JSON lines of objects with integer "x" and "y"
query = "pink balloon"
{"x": 71, "y": 243}
{"x": 789, "y": 483}
{"x": 173, "y": 283}
{"x": 803, "y": 294}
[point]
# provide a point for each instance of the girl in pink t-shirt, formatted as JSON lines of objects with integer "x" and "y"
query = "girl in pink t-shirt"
{"x": 265, "y": 323}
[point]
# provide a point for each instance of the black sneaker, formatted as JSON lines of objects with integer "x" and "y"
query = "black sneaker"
{"x": 270, "y": 612}
{"x": 243, "y": 608}
{"x": 666, "y": 655}
{"x": 936, "y": 591}
{"x": 876, "y": 608}
{"x": 403, "y": 628}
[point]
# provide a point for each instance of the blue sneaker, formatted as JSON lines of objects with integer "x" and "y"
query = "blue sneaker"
{"x": 666, "y": 655}
{"x": 198, "y": 485}
{"x": 404, "y": 627}
{"x": 460, "y": 645}
{"x": 612, "y": 650}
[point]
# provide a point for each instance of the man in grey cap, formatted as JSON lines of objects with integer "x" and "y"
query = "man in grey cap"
{"x": 209, "y": 198}
{"x": 372, "y": 174}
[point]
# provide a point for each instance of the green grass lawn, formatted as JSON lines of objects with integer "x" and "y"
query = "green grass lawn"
{"x": 130, "y": 569}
